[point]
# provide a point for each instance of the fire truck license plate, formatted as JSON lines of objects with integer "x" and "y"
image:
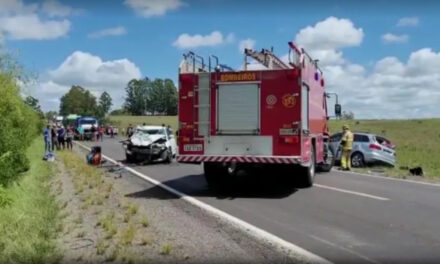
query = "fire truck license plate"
{"x": 192, "y": 147}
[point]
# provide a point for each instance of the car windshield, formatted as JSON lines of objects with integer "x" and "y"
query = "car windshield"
{"x": 152, "y": 131}
{"x": 87, "y": 122}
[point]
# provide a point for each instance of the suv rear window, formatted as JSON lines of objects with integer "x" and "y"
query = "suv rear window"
{"x": 361, "y": 138}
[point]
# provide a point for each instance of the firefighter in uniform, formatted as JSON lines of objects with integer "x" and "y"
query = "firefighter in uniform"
{"x": 346, "y": 146}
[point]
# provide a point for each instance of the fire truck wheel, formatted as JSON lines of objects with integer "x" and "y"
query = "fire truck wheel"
{"x": 215, "y": 174}
{"x": 308, "y": 173}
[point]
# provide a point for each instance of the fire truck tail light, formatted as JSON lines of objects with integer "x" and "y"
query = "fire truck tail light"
{"x": 185, "y": 139}
{"x": 289, "y": 139}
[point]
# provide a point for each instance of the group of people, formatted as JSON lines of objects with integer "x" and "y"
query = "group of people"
{"x": 97, "y": 133}
{"x": 58, "y": 137}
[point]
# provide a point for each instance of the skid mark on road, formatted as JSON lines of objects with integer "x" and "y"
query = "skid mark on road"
{"x": 351, "y": 192}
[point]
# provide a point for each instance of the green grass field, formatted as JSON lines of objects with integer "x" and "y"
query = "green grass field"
{"x": 29, "y": 214}
{"x": 123, "y": 121}
{"x": 417, "y": 141}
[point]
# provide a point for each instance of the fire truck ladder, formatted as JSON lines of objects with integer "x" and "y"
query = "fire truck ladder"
{"x": 266, "y": 58}
{"x": 201, "y": 92}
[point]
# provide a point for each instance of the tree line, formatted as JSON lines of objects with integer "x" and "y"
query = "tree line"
{"x": 143, "y": 97}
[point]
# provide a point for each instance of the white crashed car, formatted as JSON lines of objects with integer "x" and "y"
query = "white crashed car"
{"x": 151, "y": 143}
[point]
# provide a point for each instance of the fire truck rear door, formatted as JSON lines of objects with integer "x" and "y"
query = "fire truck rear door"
{"x": 238, "y": 108}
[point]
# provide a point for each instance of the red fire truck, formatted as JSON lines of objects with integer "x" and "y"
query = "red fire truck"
{"x": 274, "y": 116}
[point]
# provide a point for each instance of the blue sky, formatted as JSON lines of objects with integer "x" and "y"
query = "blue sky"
{"x": 365, "y": 49}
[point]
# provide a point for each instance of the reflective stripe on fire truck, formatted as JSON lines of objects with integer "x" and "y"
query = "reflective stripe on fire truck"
{"x": 273, "y": 159}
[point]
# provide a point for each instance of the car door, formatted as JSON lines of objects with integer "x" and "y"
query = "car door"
{"x": 335, "y": 141}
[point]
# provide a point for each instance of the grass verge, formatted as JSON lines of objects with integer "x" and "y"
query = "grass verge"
{"x": 30, "y": 221}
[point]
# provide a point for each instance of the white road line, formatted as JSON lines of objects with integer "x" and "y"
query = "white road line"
{"x": 260, "y": 234}
{"x": 351, "y": 192}
{"x": 345, "y": 249}
{"x": 388, "y": 178}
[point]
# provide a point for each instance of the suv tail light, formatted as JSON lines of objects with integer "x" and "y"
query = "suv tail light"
{"x": 374, "y": 146}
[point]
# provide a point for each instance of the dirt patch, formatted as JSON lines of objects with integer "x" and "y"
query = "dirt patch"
{"x": 107, "y": 219}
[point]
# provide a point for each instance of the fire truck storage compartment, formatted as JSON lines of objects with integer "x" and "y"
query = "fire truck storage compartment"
{"x": 238, "y": 108}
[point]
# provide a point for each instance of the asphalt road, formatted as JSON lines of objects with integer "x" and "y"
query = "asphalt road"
{"x": 345, "y": 218}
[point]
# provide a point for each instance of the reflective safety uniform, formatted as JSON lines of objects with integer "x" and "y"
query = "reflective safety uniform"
{"x": 346, "y": 146}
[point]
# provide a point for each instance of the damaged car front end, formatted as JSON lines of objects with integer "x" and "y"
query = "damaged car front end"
{"x": 144, "y": 146}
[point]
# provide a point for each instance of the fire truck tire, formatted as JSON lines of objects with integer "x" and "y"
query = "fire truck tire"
{"x": 215, "y": 174}
{"x": 308, "y": 173}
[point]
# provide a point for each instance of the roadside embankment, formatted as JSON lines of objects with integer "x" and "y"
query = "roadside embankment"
{"x": 29, "y": 219}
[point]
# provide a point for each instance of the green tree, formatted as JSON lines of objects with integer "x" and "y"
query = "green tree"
{"x": 50, "y": 115}
{"x": 79, "y": 101}
{"x": 34, "y": 104}
{"x": 171, "y": 99}
{"x": 137, "y": 96}
{"x": 154, "y": 97}
{"x": 105, "y": 102}
{"x": 163, "y": 97}
{"x": 347, "y": 115}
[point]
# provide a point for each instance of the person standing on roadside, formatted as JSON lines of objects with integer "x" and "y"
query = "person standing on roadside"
{"x": 130, "y": 131}
{"x": 101, "y": 133}
{"x": 81, "y": 132}
{"x": 94, "y": 134}
{"x": 47, "y": 139}
{"x": 69, "y": 137}
{"x": 61, "y": 137}
{"x": 54, "y": 137}
{"x": 112, "y": 132}
{"x": 346, "y": 146}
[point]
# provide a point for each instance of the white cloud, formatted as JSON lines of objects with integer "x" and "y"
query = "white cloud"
{"x": 332, "y": 33}
{"x": 54, "y": 8}
{"x": 86, "y": 69}
{"x": 392, "y": 89}
{"x": 149, "y": 8}
{"x": 408, "y": 22}
{"x": 114, "y": 31}
{"x": 186, "y": 41}
{"x": 392, "y": 38}
{"x": 246, "y": 44}
{"x": 32, "y": 27}
{"x": 19, "y": 20}
{"x": 16, "y": 7}
{"x": 325, "y": 39}
{"x": 90, "y": 72}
